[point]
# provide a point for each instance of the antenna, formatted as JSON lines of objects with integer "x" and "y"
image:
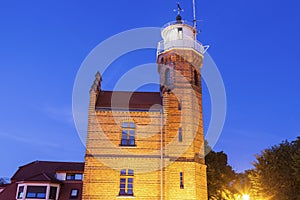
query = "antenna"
{"x": 194, "y": 12}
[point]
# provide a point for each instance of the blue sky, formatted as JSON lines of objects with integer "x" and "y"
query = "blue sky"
{"x": 254, "y": 43}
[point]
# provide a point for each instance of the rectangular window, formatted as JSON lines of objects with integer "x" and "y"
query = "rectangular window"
{"x": 20, "y": 192}
{"x": 180, "y": 33}
{"x": 128, "y": 134}
{"x": 36, "y": 192}
{"x": 130, "y": 186}
{"x": 126, "y": 182}
{"x": 122, "y": 186}
{"x": 167, "y": 77}
{"x": 179, "y": 105}
{"x": 52, "y": 194}
{"x": 180, "y": 134}
{"x": 181, "y": 180}
{"x": 74, "y": 193}
{"x": 76, "y": 177}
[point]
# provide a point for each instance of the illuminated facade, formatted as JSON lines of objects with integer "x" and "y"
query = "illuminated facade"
{"x": 149, "y": 145}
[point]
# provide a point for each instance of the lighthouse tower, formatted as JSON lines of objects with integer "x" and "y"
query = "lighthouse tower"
{"x": 150, "y": 145}
{"x": 179, "y": 60}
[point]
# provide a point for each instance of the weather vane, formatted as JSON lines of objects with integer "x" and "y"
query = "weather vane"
{"x": 179, "y": 9}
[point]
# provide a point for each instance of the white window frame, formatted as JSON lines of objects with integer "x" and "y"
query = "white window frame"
{"x": 48, "y": 185}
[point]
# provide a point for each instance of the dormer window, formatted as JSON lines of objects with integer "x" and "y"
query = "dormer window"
{"x": 74, "y": 177}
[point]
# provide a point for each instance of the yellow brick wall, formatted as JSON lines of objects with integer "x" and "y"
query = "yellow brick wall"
{"x": 105, "y": 157}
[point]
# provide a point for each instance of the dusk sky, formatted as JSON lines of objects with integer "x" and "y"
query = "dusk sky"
{"x": 255, "y": 45}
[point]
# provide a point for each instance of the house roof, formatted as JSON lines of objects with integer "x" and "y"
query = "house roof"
{"x": 66, "y": 189}
{"x": 42, "y": 177}
{"x": 3, "y": 185}
{"x": 45, "y": 170}
{"x": 129, "y": 100}
{"x": 9, "y": 192}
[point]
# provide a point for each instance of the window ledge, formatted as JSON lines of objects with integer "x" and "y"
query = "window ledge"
{"x": 127, "y": 146}
{"x": 125, "y": 196}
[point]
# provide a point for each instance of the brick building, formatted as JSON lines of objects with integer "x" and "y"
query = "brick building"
{"x": 149, "y": 145}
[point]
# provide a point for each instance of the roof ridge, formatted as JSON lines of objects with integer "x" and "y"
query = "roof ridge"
{"x": 42, "y": 173}
{"x": 38, "y": 164}
{"x": 48, "y": 161}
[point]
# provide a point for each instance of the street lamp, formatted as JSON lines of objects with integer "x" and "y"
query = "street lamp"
{"x": 245, "y": 197}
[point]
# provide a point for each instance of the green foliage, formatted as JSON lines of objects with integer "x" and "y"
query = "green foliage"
{"x": 296, "y": 166}
{"x": 220, "y": 176}
{"x": 275, "y": 176}
{"x": 276, "y": 173}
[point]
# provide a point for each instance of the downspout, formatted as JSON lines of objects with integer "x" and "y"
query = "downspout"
{"x": 161, "y": 154}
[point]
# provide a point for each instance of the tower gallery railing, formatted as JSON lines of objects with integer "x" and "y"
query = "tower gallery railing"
{"x": 182, "y": 44}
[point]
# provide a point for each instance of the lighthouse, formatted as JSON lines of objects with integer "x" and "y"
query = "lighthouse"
{"x": 179, "y": 60}
{"x": 150, "y": 145}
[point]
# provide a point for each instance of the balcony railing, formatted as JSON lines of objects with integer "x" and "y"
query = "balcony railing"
{"x": 183, "y": 44}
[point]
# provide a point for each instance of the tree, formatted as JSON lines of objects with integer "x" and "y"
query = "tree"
{"x": 241, "y": 183}
{"x": 276, "y": 172}
{"x": 296, "y": 166}
{"x": 3, "y": 181}
{"x": 220, "y": 176}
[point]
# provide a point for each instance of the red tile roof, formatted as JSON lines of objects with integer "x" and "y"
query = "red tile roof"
{"x": 129, "y": 100}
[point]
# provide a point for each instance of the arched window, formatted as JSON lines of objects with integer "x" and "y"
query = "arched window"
{"x": 196, "y": 79}
{"x": 167, "y": 77}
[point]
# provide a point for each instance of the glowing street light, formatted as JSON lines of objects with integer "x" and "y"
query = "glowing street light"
{"x": 246, "y": 197}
